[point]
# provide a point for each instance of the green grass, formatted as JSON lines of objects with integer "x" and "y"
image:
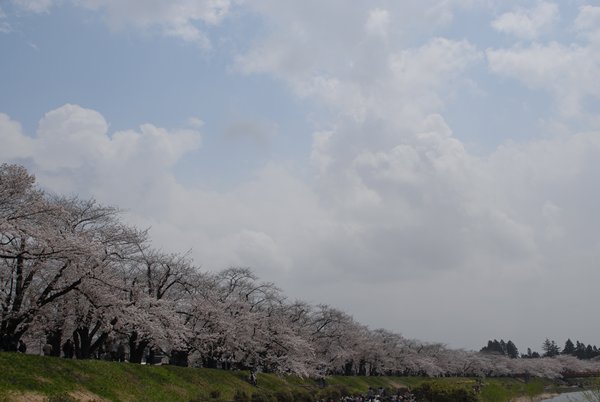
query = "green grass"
{"x": 56, "y": 379}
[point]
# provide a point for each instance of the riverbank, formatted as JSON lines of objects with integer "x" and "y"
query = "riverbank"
{"x": 38, "y": 378}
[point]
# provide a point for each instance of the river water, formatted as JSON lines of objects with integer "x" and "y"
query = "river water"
{"x": 568, "y": 397}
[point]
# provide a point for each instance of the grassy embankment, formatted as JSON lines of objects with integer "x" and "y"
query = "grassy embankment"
{"x": 37, "y": 378}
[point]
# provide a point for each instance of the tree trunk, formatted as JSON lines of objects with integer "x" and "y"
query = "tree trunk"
{"x": 179, "y": 358}
{"x": 136, "y": 348}
{"x": 348, "y": 368}
{"x": 362, "y": 368}
{"x": 54, "y": 338}
{"x": 209, "y": 362}
{"x": 83, "y": 339}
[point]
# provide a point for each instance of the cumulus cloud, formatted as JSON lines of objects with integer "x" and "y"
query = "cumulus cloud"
{"x": 73, "y": 152}
{"x": 528, "y": 23}
{"x": 405, "y": 199}
{"x": 15, "y": 144}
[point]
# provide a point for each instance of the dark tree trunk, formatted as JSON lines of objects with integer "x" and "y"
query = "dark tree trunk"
{"x": 9, "y": 342}
{"x": 362, "y": 368}
{"x": 85, "y": 345}
{"x": 179, "y": 358}
{"x": 54, "y": 338}
{"x": 348, "y": 368}
{"x": 136, "y": 348}
{"x": 209, "y": 362}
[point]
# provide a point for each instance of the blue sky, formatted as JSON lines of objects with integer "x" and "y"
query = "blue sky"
{"x": 440, "y": 155}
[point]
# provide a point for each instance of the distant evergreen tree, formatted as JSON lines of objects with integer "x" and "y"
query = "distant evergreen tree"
{"x": 569, "y": 348}
{"x": 511, "y": 350}
{"x": 580, "y": 350}
{"x": 530, "y": 354}
{"x": 501, "y": 348}
{"x": 492, "y": 347}
{"x": 495, "y": 347}
{"x": 550, "y": 348}
{"x": 589, "y": 352}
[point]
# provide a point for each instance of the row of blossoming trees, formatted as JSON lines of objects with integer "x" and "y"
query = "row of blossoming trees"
{"x": 71, "y": 269}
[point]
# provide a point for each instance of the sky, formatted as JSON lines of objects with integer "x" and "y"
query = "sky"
{"x": 428, "y": 166}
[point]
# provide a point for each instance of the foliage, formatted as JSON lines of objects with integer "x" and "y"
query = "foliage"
{"x": 550, "y": 348}
{"x": 444, "y": 392}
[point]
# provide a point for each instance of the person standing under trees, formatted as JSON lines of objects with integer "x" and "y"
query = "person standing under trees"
{"x": 22, "y": 348}
{"x": 253, "y": 377}
{"x": 68, "y": 349}
{"x": 47, "y": 350}
{"x": 121, "y": 352}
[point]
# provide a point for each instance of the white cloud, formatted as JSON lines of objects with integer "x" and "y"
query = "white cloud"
{"x": 4, "y": 24}
{"x": 567, "y": 72}
{"x": 15, "y": 144}
{"x": 588, "y": 18}
{"x": 408, "y": 203}
{"x": 72, "y": 152}
{"x": 36, "y": 6}
{"x": 195, "y": 122}
{"x": 528, "y": 23}
{"x": 588, "y": 22}
{"x": 184, "y": 19}
{"x": 378, "y": 22}
{"x": 173, "y": 18}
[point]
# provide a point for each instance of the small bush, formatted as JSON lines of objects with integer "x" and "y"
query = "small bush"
{"x": 215, "y": 394}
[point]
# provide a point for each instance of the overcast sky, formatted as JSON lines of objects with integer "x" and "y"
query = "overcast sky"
{"x": 428, "y": 166}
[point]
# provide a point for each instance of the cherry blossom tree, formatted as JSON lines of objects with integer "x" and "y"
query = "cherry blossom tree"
{"x": 49, "y": 246}
{"x": 155, "y": 284}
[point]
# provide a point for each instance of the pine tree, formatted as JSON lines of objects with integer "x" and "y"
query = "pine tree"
{"x": 569, "y": 348}
{"x": 580, "y": 350}
{"x": 511, "y": 350}
{"x": 550, "y": 348}
{"x": 589, "y": 352}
